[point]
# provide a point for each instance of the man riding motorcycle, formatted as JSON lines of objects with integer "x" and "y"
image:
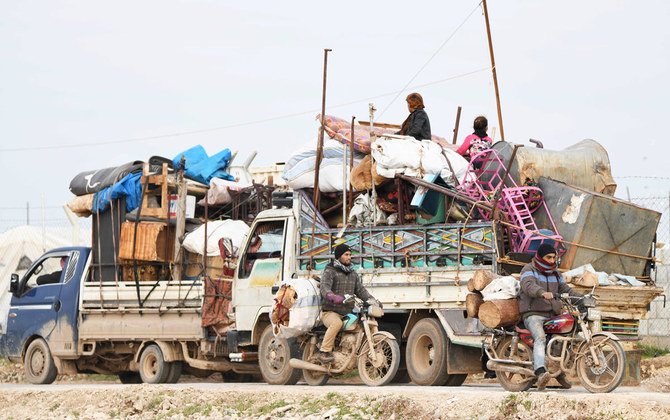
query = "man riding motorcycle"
{"x": 541, "y": 284}
{"x": 338, "y": 279}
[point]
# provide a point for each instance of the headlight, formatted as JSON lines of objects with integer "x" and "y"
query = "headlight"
{"x": 593, "y": 314}
{"x": 589, "y": 302}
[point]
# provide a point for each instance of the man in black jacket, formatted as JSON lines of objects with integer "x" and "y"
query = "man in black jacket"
{"x": 417, "y": 123}
{"x": 337, "y": 280}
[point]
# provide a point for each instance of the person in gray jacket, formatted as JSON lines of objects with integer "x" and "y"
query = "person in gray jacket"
{"x": 338, "y": 279}
{"x": 541, "y": 284}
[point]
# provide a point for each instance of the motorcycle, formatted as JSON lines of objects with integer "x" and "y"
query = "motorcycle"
{"x": 596, "y": 358}
{"x": 359, "y": 344}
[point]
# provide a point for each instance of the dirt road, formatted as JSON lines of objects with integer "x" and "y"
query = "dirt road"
{"x": 219, "y": 400}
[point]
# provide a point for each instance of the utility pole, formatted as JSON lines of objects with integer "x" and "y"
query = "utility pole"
{"x": 493, "y": 69}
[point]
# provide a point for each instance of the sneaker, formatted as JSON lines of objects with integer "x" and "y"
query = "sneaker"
{"x": 542, "y": 380}
{"x": 325, "y": 357}
{"x": 565, "y": 384}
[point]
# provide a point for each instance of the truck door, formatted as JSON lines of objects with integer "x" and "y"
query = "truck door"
{"x": 35, "y": 306}
{"x": 260, "y": 267}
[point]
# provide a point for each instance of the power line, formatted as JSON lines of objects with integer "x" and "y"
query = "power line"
{"x": 431, "y": 58}
{"x": 235, "y": 125}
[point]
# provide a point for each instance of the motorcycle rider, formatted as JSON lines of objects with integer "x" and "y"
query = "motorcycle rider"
{"x": 541, "y": 284}
{"x": 337, "y": 280}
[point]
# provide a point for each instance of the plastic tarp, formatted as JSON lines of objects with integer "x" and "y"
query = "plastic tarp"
{"x": 235, "y": 230}
{"x": 201, "y": 167}
{"x": 406, "y": 155}
{"x": 129, "y": 187}
{"x": 299, "y": 169}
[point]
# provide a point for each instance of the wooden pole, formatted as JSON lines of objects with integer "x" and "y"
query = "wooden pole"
{"x": 458, "y": 121}
{"x": 351, "y": 167}
{"x": 493, "y": 69}
{"x": 319, "y": 146}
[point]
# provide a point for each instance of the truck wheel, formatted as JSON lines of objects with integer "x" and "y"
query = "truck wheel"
{"x": 426, "y": 355}
{"x": 456, "y": 379}
{"x": 130, "y": 378}
{"x": 153, "y": 367}
{"x": 175, "y": 372}
{"x": 273, "y": 356}
{"x": 38, "y": 364}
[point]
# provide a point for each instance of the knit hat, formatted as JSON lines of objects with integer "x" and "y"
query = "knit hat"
{"x": 340, "y": 250}
{"x": 545, "y": 249}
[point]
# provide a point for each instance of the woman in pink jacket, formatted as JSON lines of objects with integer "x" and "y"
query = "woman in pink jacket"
{"x": 477, "y": 141}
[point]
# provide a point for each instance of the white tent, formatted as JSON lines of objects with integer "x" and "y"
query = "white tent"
{"x": 21, "y": 246}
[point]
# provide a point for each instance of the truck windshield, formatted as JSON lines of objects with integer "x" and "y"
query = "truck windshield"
{"x": 267, "y": 241}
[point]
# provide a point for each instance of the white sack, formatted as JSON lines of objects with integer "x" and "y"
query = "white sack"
{"x": 236, "y": 230}
{"x": 502, "y": 288}
{"x": 304, "y": 314}
{"x": 361, "y": 212}
{"x": 219, "y": 191}
{"x": 415, "y": 158}
{"x": 299, "y": 169}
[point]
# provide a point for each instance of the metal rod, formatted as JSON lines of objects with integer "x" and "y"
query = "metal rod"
{"x": 446, "y": 191}
{"x": 351, "y": 166}
{"x": 458, "y": 122}
{"x": 493, "y": 69}
{"x": 319, "y": 146}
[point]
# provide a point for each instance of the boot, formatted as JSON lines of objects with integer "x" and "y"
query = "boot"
{"x": 543, "y": 378}
{"x": 561, "y": 379}
{"x": 325, "y": 357}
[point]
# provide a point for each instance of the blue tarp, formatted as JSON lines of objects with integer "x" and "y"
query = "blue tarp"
{"x": 201, "y": 167}
{"x": 128, "y": 187}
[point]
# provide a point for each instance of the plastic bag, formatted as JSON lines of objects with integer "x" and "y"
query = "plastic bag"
{"x": 304, "y": 307}
{"x": 501, "y": 288}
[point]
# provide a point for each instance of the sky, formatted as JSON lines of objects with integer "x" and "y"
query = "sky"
{"x": 86, "y": 85}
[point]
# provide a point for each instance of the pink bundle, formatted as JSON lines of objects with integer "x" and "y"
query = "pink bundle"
{"x": 340, "y": 130}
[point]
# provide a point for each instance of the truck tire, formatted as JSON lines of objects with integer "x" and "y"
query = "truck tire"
{"x": 456, "y": 379}
{"x": 153, "y": 367}
{"x": 38, "y": 364}
{"x": 426, "y": 355}
{"x": 175, "y": 372}
{"x": 130, "y": 378}
{"x": 273, "y": 356}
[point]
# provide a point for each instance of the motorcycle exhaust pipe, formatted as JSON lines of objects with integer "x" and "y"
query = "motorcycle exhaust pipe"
{"x": 301, "y": 364}
{"x": 491, "y": 365}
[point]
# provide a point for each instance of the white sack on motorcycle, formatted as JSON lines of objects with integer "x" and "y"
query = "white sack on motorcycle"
{"x": 296, "y": 308}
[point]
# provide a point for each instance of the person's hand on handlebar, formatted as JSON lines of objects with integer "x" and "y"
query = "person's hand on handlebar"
{"x": 336, "y": 299}
{"x": 548, "y": 295}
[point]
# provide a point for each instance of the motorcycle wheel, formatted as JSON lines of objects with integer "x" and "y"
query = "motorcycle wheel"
{"x": 514, "y": 382}
{"x": 311, "y": 377}
{"x": 382, "y": 372}
{"x": 609, "y": 374}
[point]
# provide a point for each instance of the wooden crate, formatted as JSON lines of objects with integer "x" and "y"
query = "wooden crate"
{"x": 154, "y": 241}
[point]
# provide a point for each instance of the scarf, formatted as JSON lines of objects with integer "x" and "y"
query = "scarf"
{"x": 346, "y": 268}
{"x": 543, "y": 266}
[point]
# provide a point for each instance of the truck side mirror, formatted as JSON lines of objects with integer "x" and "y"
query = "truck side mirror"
{"x": 14, "y": 284}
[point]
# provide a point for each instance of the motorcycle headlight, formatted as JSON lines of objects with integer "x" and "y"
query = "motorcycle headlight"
{"x": 375, "y": 311}
{"x": 589, "y": 302}
{"x": 593, "y": 314}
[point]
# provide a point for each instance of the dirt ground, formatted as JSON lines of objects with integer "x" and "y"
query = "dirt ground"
{"x": 82, "y": 397}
